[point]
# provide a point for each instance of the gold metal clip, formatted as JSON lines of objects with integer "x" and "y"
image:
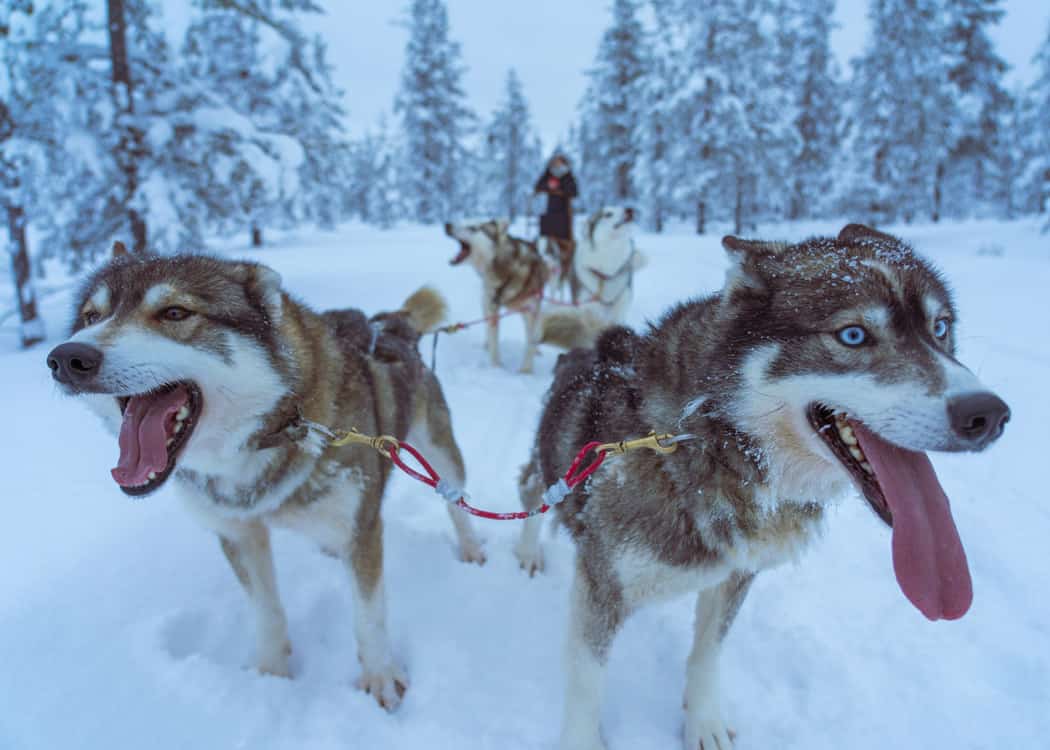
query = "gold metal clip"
{"x": 652, "y": 441}
{"x": 381, "y": 443}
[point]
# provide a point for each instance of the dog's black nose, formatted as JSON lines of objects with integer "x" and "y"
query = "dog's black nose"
{"x": 978, "y": 418}
{"x": 74, "y": 363}
{"x": 628, "y": 214}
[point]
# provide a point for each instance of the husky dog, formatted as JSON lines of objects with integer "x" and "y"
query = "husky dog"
{"x": 211, "y": 376}
{"x": 603, "y": 273}
{"x": 820, "y": 366}
{"x": 513, "y": 275}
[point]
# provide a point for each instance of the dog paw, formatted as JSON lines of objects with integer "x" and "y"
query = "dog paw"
{"x": 472, "y": 552}
{"x": 274, "y": 661}
{"x": 387, "y": 686}
{"x": 708, "y": 733}
{"x": 530, "y": 558}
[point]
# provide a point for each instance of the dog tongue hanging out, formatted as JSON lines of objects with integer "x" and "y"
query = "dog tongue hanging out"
{"x": 820, "y": 367}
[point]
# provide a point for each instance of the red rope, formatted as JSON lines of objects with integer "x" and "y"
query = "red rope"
{"x": 574, "y": 476}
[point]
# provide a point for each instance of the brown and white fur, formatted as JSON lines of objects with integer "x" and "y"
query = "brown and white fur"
{"x": 513, "y": 276}
{"x": 256, "y": 368}
{"x": 770, "y": 383}
{"x": 604, "y": 265}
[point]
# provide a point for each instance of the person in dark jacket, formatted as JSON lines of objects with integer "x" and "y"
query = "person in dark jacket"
{"x": 559, "y": 184}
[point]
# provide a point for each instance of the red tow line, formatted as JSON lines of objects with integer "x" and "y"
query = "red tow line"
{"x": 554, "y": 494}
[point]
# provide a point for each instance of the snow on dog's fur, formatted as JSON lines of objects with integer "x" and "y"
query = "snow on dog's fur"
{"x": 819, "y": 366}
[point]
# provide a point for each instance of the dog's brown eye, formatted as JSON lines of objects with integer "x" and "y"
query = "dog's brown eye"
{"x": 174, "y": 313}
{"x": 91, "y": 317}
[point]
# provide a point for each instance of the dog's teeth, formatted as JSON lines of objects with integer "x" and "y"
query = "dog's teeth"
{"x": 182, "y": 413}
{"x": 867, "y": 467}
{"x": 846, "y": 433}
{"x": 170, "y": 441}
{"x": 855, "y": 452}
{"x": 178, "y": 427}
{"x": 151, "y": 476}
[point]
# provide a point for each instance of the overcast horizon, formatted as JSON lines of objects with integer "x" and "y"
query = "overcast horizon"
{"x": 366, "y": 46}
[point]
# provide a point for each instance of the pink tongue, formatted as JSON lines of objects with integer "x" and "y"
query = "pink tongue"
{"x": 928, "y": 556}
{"x": 144, "y": 436}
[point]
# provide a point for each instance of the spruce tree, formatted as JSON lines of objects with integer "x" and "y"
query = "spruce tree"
{"x": 612, "y": 107}
{"x": 512, "y": 156}
{"x": 1036, "y": 178}
{"x": 903, "y": 112}
{"x": 435, "y": 119}
{"x": 816, "y": 91}
{"x": 975, "y": 179}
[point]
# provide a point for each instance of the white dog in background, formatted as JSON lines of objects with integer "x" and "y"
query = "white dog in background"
{"x": 604, "y": 265}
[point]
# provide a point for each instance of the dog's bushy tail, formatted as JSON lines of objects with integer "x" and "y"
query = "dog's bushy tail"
{"x": 571, "y": 329}
{"x": 426, "y": 308}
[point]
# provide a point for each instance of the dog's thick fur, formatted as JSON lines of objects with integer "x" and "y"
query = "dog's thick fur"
{"x": 604, "y": 265}
{"x": 513, "y": 276}
{"x": 263, "y": 367}
{"x": 743, "y": 374}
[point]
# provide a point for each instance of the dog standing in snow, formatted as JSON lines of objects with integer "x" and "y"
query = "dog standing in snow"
{"x": 820, "y": 367}
{"x": 211, "y": 375}
{"x": 604, "y": 266}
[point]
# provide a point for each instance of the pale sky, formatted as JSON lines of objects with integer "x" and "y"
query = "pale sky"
{"x": 552, "y": 43}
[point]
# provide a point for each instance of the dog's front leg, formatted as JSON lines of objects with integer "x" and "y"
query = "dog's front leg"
{"x": 716, "y": 608}
{"x": 491, "y": 312}
{"x": 247, "y": 547}
{"x": 381, "y": 677}
{"x": 593, "y": 624}
{"x": 531, "y": 318}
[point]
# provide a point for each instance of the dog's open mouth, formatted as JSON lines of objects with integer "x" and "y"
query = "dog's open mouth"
{"x": 156, "y": 427}
{"x": 901, "y": 487}
{"x": 462, "y": 255}
{"x": 837, "y": 432}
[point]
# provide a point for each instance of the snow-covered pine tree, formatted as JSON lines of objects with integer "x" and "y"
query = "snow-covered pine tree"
{"x": 655, "y": 173}
{"x": 904, "y": 114}
{"x": 511, "y": 154}
{"x": 813, "y": 77}
{"x": 45, "y": 80}
{"x": 612, "y": 107}
{"x": 736, "y": 115}
{"x": 435, "y": 119}
{"x": 271, "y": 119}
{"x": 974, "y": 182}
{"x": 372, "y": 190}
{"x": 1036, "y": 178}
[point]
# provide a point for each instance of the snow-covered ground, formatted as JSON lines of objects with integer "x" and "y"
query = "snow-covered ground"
{"x": 122, "y": 627}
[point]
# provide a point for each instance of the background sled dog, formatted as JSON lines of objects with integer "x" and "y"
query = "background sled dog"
{"x": 513, "y": 276}
{"x": 820, "y": 366}
{"x": 603, "y": 270}
{"x": 207, "y": 370}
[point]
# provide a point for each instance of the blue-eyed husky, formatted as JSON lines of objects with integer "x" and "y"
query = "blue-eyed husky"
{"x": 820, "y": 366}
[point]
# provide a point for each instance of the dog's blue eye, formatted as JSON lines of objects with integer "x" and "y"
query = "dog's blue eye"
{"x": 853, "y": 335}
{"x": 940, "y": 328}
{"x": 175, "y": 313}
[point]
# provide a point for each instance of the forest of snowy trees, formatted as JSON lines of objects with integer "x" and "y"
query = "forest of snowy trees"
{"x": 728, "y": 111}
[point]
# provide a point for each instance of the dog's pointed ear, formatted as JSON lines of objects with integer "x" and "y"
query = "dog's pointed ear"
{"x": 119, "y": 250}
{"x": 262, "y": 284}
{"x": 502, "y": 226}
{"x": 745, "y": 260}
{"x": 855, "y": 232}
